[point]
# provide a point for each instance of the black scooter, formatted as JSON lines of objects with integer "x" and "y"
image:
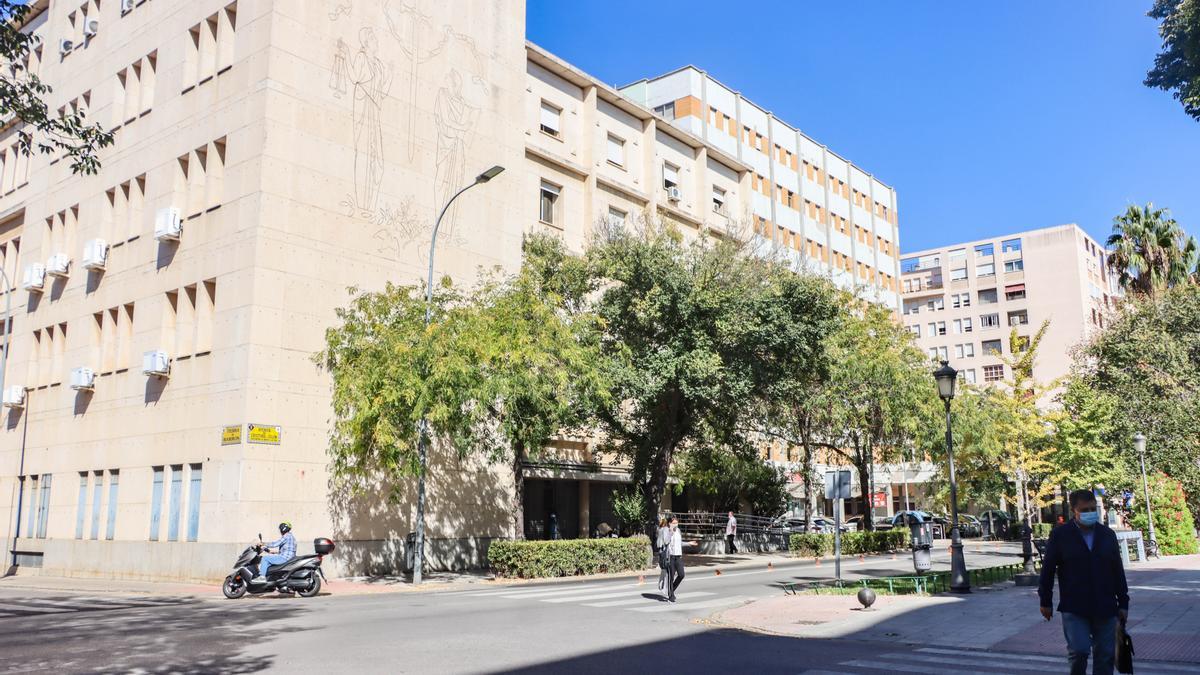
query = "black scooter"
{"x": 301, "y": 575}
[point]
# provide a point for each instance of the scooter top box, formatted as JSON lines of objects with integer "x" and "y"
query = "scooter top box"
{"x": 323, "y": 546}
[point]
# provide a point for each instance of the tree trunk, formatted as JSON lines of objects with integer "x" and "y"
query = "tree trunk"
{"x": 862, "y": 463}
{"x": 518, "y": 505}
{"x": 806, "y": 477}
{"x": 869, "y": 514}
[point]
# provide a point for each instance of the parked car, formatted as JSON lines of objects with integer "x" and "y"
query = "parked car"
{"x": 821, "y": 524}
{"x": 881, "y": 523}
{"x": 969, "y": 526}
{"x": 995, "y": 523}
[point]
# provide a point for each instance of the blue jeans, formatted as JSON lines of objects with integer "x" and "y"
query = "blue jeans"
{"x": 1085, "y": 634}
{"x": 268, "y": 560}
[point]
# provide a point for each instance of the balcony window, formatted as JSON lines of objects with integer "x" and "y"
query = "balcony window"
{"x": 915, "y": 329}
{"x": 985, "y": 270}
{"x": 1010, "y": 245}
{"x": 968, "y": 375}
{"x": 718, "y": 198}
{"x": 989, "y": 321}
{"x": 1014, "y": 292}
{"x": 551, "y": 119}
{"x": 670, "y": 175}
{"x": 911, "y": 307}
{"x": 984, "y": 251}
{"x": 1017, "y": 265}
{"x": 616, "y": 150}
{"x": 988, "y": 297}
{"x": 666, "y": 110}
{"x": 547, "y": 201}
{"x": 958, "y": 274}
{"x": 990, "y": 347}
{"x": 1019, "y": 318}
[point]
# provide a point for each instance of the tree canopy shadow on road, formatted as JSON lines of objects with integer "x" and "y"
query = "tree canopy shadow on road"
{"x": 174, "y": 636}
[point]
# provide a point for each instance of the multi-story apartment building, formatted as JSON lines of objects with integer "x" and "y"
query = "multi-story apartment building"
{"x": 963, "y": 300}
{"x": 162, "y": 405}
{"x": 828, "y": 214}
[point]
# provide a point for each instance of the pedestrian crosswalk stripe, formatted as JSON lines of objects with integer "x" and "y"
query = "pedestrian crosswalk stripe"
{"x": 572, "y": 591}
{"x": 935, "y": 661}
{"x": 596, "y": 596}
{"x": 671, "y": 607}
{"x": 640, "y": 600}
{"x": 908, "y": 667}
{"x": 542, "y": 591}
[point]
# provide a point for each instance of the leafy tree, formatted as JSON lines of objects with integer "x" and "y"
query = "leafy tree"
{"x": 882, "y": 391}
{"x": 731, "y": 478}
{"x": 693, "y": 337}
{"x": 1174, "y": 528}
{"x": 499, "y": 372}
{"x": 1150, "y": 251}
{"x": 977, "y": 448}
{"x": 1177, "y": 67}
{"x": 1148, "y": 358}
{"x": 22, "y": 95}
{"x": 1082, "y": 429}
{"x": 1024, "y": 427}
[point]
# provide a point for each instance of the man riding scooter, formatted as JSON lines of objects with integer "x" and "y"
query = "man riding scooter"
{"x": 285, "y": 549}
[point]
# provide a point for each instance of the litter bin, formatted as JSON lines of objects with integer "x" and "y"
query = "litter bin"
{"x": 922, "y": 543}
{"x": 410, "y": 551}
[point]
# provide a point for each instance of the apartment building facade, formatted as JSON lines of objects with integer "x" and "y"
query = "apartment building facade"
{"x": 827, "y": 214}
{"x": 161, "y": 404}
{"x": 962, "y": 301}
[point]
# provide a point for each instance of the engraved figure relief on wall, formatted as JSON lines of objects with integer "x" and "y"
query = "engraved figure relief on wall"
{"x": 433, "y": 62}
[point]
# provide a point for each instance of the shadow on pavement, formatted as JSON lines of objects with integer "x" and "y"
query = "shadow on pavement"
{"x": 171, "y": 636}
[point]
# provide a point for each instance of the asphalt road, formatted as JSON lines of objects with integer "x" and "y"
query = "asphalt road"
{"x": 577, "y": 627}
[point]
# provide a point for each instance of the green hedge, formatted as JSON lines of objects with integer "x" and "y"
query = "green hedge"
{"x": 853, "y": 543}
{"x": 568, "y": 557}
{"x": 811, "y": 545}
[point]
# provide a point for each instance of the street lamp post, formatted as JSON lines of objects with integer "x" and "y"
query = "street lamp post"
{"x": 423, "y": 429}
{"x": 960, "y": 581}
{"x": 1139, "y": 444}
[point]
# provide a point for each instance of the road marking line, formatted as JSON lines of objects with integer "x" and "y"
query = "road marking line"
{"x": 676, "y": 607}
{"x": 636, "y": 601}
{"x": 912, "y": 668}
{"x": 572, "y": 591}
{"x": 597, "y": 596}
{"x": 1002, "y": 655}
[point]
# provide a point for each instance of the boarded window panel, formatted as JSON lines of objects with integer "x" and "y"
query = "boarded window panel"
{"x": 81, "y": 508}
{"x": 156, "y": 495}
{"x": 111, "y": 526}
{"x": 176, "y": 502}
{"x": 43, "y": 505}
{"x": 193, "y": 522}
{"x": 97, "y": 492}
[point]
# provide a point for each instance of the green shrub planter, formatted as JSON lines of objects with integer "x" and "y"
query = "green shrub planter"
{"x": 568, "y": 557}
{"x": 853, "y": 543}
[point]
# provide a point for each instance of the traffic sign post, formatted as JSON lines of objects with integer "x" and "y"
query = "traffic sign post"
{"x": 837, "y": 488}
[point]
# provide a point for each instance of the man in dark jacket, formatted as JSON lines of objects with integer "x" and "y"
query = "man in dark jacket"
{"x": 1091, "y": 583}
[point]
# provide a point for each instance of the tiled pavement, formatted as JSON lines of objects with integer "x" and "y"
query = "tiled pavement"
{"x": 1164, "y": 618}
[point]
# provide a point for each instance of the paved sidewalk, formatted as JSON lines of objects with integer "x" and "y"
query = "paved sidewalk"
{"x": 981, "y": 553}
{"x": 1164, "y": 616}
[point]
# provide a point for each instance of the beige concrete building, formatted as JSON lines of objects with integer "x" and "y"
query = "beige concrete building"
{"x": 161, "y": 404}
{"x": 962, "y": 300}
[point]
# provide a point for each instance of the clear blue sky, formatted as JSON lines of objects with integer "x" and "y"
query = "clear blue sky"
{"x": 987, "y": 119}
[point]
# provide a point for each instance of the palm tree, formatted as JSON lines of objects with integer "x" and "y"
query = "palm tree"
{"x": 1150, "y": 251}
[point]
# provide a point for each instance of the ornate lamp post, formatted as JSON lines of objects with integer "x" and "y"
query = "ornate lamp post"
{"x": 1139, "y": 444}
{"x": 423, "y": 431}
{"x": 960, "y": 581}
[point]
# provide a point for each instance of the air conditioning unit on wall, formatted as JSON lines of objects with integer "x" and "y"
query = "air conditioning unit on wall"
{"x": 14, "y": 396}
{"x": 156, "y": 363}
{"x": 168, "y": 224}
{"x": 83, "y": 379}
{"x": 127, "y": 6}
{"x": 59, "y": 265}
{"x": 65, "y": 47}
{"x": 35, "y": 278}
{"x": 91, "y": 27}
{"x": 674, "y": 193}
{"x": 95, "y": 254}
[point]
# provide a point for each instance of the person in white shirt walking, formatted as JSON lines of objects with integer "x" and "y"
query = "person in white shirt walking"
{"x": 674, "y": 546}
{"x": 662, "y": 554}
{"x": 730, "y": 533}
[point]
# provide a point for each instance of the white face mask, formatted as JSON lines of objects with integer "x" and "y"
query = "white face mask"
{"x": 674, "y": 526}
